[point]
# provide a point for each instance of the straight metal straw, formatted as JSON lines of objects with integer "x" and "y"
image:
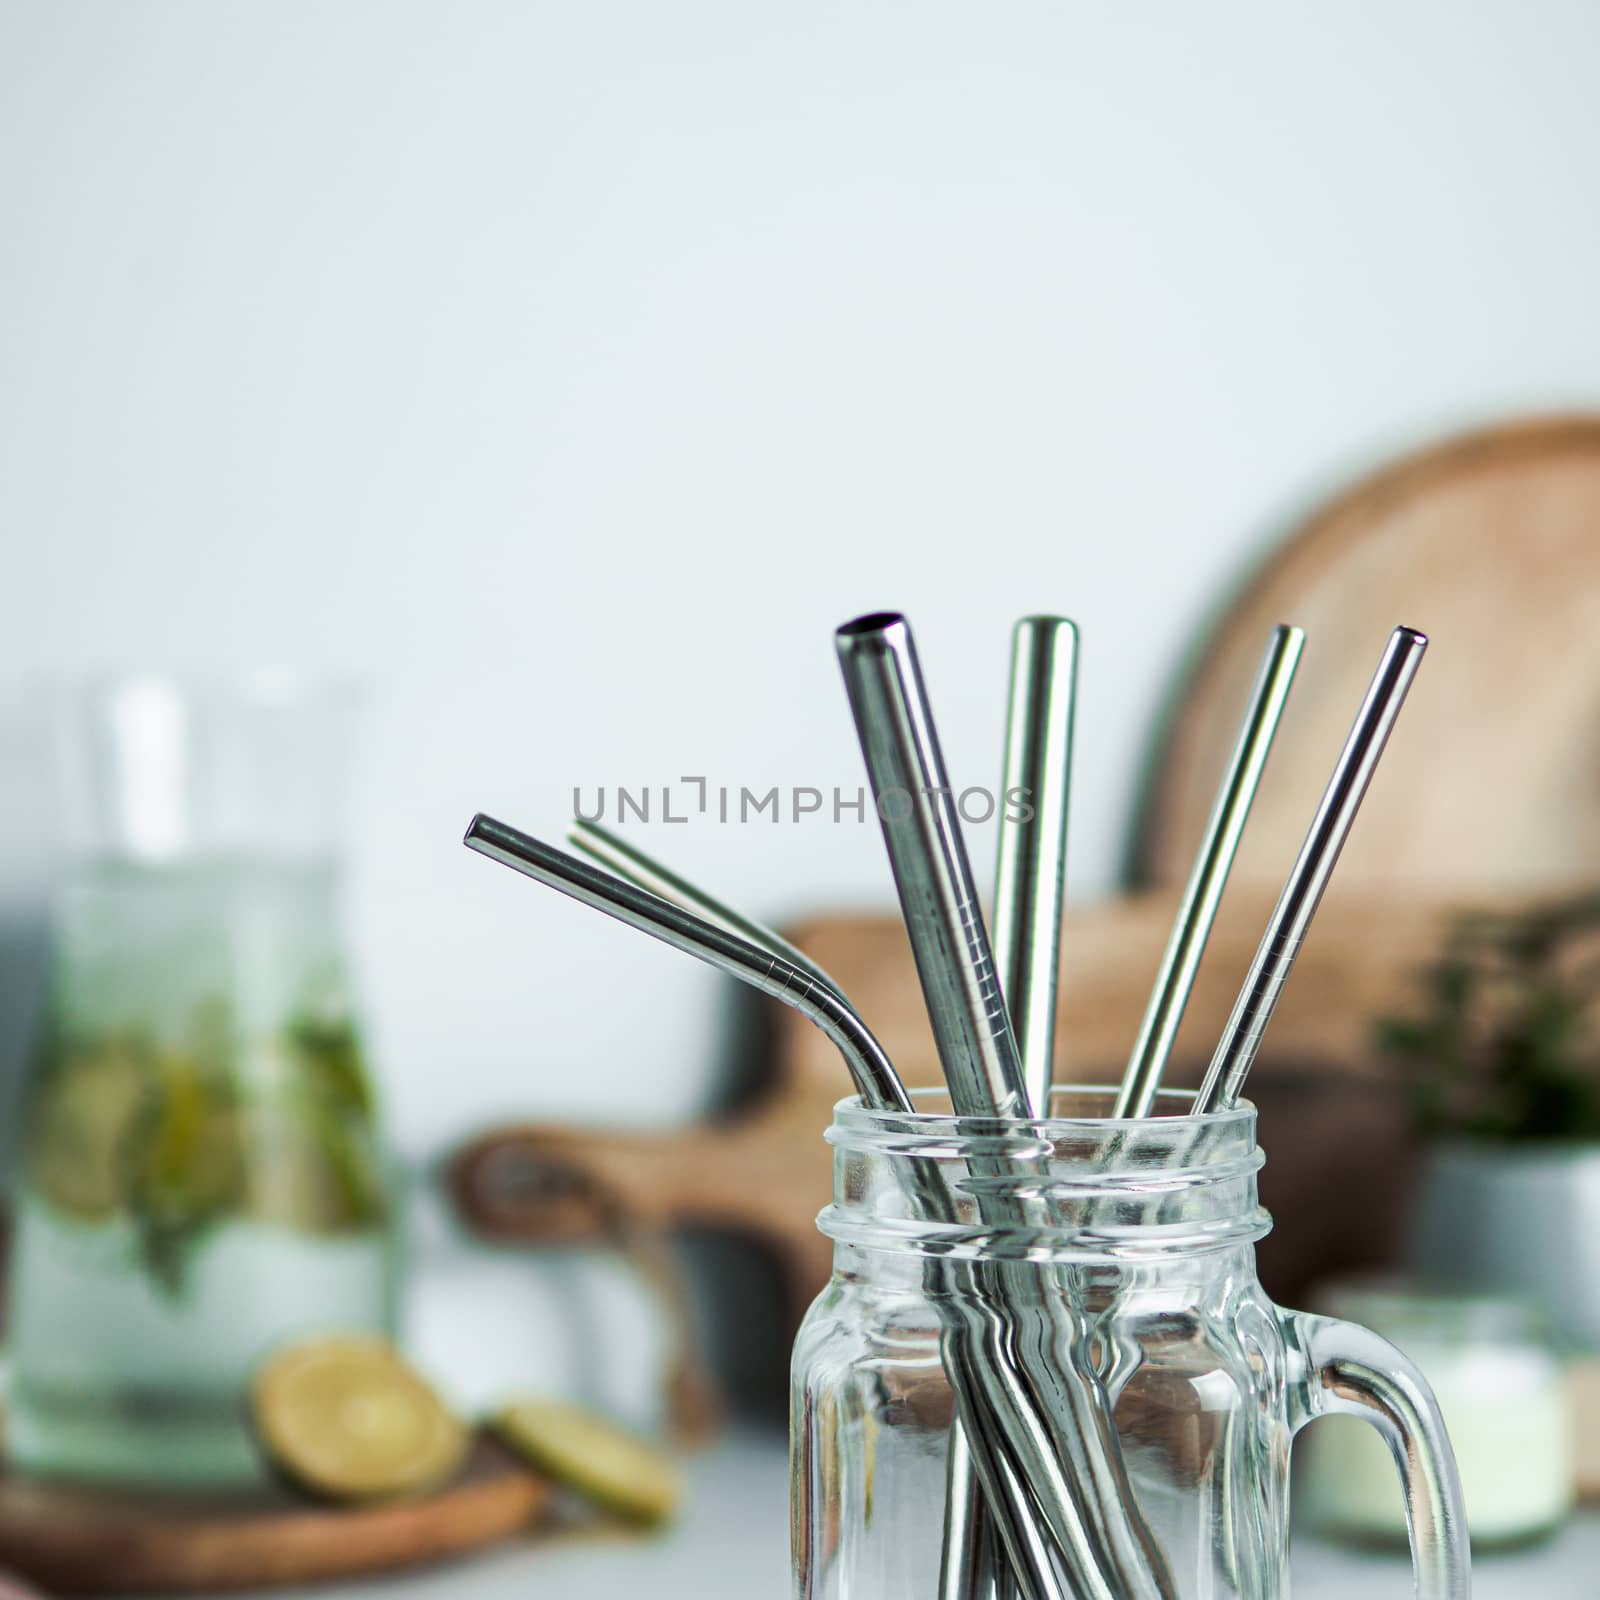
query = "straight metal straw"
{"x": 1108, "y": 1551}
{"x": 928, "y": 857}
{"x": 1297, "y": 905}
{"x": 1030, "y": 887}
{"x": 1030, "y": 884}
{"x": 1175, "y": 980}
{"x": 993, "y": 1399}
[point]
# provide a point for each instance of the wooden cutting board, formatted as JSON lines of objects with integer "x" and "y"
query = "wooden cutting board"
{"x": 84, "y": 1541}
{"x": 1492, "y": 545}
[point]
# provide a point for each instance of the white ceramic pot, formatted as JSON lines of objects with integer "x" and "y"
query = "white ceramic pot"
{"x": 1515, "y": 1219}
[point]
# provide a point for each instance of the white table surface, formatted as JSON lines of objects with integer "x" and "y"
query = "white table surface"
{"x": 732, "y": 1543}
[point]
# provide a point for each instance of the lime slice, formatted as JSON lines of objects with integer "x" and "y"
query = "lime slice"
{"x": 184, "y": 1159}
{"x": 346, "y": 1417}
{"x": 614, "y": 1468}
{"x": 308, "y": 1171}
{"x": 181, "y": 1166}
{"x": 80, "y": 1119}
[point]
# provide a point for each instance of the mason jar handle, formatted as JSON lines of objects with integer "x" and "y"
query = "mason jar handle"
{"x": 1346, "y": 1370}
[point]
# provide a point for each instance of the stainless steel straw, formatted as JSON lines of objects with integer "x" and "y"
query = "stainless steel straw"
{"x": 997, "y": 1402}
{"x": 1175, "y": 980}
{"x": 875, "y": 1078}
{"x": 992, "y": 1399}
{"x": 932, "y": 874}
{"x": 1103, "y": 1541}
{"x": 628, "y": 861}
{"x": 1030, "y": 885}
{"x": 1297, "y": 905}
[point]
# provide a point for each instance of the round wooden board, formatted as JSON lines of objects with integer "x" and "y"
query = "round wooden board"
{"x": 81, "y": 1541}
{"x": 1491, "y": 545}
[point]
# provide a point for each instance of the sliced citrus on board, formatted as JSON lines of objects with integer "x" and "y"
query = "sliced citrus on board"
{"x": 616, "y": 1469}
{"x": 347, "y": 1418}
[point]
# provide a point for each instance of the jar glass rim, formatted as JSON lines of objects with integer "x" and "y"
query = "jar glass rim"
{"x": 852, "y": 1112}
{"x": 1063, "y": 1189}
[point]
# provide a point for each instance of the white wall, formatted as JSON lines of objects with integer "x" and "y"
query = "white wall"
{"x": 571, "y": 370}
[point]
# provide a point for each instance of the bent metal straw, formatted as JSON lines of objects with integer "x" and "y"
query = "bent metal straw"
{"x": 1006, "y": 1399}
{"x": 1209, "y": 877}
{"x": 1302, "y": 892}
{"x": 1102, "y": 1539}
{"x": 1010, "y": 1400}
{"x": 875, "y": 1078}
{"x": 992, "y": 1398}
{"x": 1030, "y": 886}
{"x": 630, "y": 862}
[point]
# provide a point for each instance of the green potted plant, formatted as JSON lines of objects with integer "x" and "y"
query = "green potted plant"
{"x": 1502, "y": 1062}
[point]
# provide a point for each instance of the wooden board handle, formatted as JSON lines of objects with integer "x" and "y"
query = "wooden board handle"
{"x": 527, "y": 1183}
{"x": 553, "y": 1186}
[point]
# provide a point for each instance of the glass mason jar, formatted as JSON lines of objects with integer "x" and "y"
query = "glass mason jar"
{"x": 201, "y": 1175}
{"x": 1149, "y": 1249}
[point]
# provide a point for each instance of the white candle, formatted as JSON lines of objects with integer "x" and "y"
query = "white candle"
{"x": 1504, "y": 1400}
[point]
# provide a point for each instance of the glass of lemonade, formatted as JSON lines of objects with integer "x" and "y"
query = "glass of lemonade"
{"x": 201, "y": 1174}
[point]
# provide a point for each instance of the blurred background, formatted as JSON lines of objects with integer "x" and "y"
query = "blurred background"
{"x": 565, "y": 374}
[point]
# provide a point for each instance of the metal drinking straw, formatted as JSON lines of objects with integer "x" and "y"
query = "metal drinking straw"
{"x": 1030, "y": 886}
{"x": 993, "y": 1398}
{"x": 1108, "y": 1550}
{"x": 932, "y": 874}
{"x": 628, "y": 861}
{"x": 1302, "y": 892}
{"x": 1297, "y": 905}
{"x": 1175, "y": 980}
{"x": 1004, "y": 1403}
{"x": 874, "y": 1075}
